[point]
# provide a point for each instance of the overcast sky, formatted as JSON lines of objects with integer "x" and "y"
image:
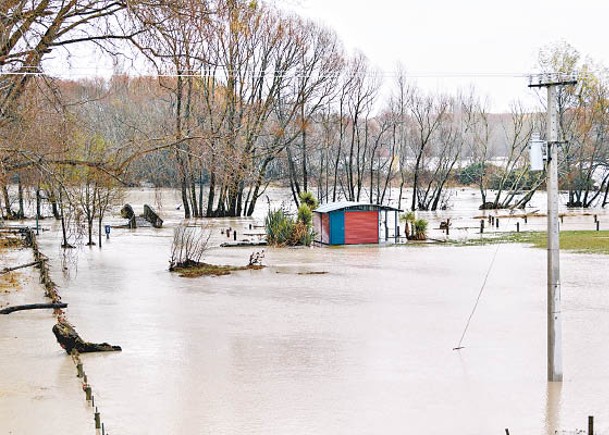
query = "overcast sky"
{"x": 473, "y": 38}
{"x": 448, "y": 45}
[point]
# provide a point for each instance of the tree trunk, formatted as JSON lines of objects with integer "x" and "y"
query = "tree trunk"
{"x": 201, "y": 197}
{"x": 7, "y": 202}
{"x": 90, "y": 232}
{"x": 54, "y": 205}
{"x": 21, "y": 211}
{"x": 184, "y": 190}
{"x": 69, "y": 340}
{"x": 54, "y": 305}
{"x": 193, "y": 197}
{"x": 99, "y": 230}
{"x": 210, "y": 196}
{"x": 64, "y": 234}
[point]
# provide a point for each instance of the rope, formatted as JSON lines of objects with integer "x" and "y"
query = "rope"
{"x": 471, "y": 315}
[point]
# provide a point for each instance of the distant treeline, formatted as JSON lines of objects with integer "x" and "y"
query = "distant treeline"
{"x": 240, "y": 95}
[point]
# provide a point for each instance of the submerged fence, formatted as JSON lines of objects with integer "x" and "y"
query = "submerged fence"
{"x": 53, "y": 294}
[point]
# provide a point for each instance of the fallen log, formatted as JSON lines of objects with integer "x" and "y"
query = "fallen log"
{"x": 10, "y": 269}
{"x": 128, "y": 213}
{"x": 152, "y": 217}
{"x": 55, "y": 305}
{"x": 69, "y": 340}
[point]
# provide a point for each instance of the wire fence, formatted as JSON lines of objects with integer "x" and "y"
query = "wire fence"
{"x": 53, "y": 294}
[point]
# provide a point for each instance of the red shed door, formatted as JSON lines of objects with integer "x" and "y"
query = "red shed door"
{"x": 361, "y": 227}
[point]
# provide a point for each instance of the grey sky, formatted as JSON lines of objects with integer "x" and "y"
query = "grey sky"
{"x": 445, "y": 45}
{"x": 471, "y": 39}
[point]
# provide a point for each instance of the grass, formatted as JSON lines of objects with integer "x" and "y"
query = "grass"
{"x": 9, "y": 281}
{"x": 206, "y": 269}
{"x": 589, "y": 242}
{"x": 10, "y": 243}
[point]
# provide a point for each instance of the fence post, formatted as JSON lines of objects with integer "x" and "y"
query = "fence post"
{"x": 481, "y": 226}
{"x": 598, "y": 225}
{"x": 517, "y": 227}
{"x": 590, "y": 425}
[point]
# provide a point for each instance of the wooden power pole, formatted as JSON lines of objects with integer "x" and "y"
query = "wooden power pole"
{"x": 554, "y": 329}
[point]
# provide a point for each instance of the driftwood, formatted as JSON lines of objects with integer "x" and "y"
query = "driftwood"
{"x": 243, "y": 243}
{"x": 128, "y": 213}
{"x": 69, "y": 340}
{"x": 9, "y": 310}
{"x": 10, "y": 269}
{"x": 152, "y": 217}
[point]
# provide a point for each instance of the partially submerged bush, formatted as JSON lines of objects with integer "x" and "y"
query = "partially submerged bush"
{"x": 279, "y": 227}
{"x": 408, "y": 219}
{"x": 419, "y": 226}
{"x": 420, "y": 229}
{"x": 282, "y": 230}
{"x": 188, "y": 246}
{"x": 303, "y": 234}
{"x": 305, "y": 215}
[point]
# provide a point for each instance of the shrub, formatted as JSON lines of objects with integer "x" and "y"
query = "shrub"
{"x": 305, "y": 215}
{"x": 279, "y": 228}
{"x": 188, "y": 246}
{"x": 282, "y": 230}
{"x": 420, "y": 229}
{"x": 407, "y": 217}
{"x": 308, "y": 199}
{"x": 302, "y": 235}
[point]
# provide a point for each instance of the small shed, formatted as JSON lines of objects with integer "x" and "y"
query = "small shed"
{"x": 353, "y": 223}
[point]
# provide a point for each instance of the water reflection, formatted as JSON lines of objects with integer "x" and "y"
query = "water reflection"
{"x": 553, "y": 396}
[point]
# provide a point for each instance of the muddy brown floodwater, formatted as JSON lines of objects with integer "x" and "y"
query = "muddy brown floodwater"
{"x": 365, "y": 348}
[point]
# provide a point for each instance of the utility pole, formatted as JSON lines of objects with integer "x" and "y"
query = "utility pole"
{"x": 554, "y": 329}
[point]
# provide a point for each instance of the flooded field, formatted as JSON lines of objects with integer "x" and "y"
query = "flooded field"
{"x": 355, "y": 340}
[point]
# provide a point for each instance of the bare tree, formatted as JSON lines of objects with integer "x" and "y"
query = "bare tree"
{"x": 188, "y": 246}
{"x": 427, "y": 113}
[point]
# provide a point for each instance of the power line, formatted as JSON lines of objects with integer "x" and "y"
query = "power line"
{"x": 290, "y": 74}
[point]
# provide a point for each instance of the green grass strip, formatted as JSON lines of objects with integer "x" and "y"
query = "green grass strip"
{"x": 589, "y": 242}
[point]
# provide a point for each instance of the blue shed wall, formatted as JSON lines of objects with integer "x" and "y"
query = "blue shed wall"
{"x": 337, "y": 228}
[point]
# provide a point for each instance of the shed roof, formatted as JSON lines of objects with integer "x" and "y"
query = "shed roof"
{"x": 352, "y": 205}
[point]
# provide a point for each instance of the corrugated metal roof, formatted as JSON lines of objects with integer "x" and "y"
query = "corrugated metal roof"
{"x": 344, "y": 205}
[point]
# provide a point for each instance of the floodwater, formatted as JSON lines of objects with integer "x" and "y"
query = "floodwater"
{"x": 355, "y": 340}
